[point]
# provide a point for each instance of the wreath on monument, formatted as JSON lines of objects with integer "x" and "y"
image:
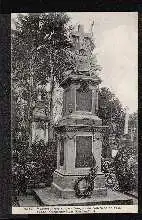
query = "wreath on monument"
{"x": 89, "y": 180}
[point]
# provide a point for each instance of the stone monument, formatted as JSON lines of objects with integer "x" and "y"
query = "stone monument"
{"x": 79, "y": 132}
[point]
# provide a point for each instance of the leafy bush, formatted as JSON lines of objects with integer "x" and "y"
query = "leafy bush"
{"x": 110, "y": 176}
{"x": 126, "y": 167}
{"x": 35, "y": 168}
{"x": 45, "y": 156}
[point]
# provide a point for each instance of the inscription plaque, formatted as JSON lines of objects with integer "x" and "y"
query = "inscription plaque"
{"x": 83, "y": 151}
{"x": 83, "y": 100}
{"x": 67, "y": 104}
{"x": 62, "y": 152}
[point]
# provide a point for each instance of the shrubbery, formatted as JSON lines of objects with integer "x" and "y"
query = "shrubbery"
{"x": 33, "y": 169}
{"x": 126, "y": 168}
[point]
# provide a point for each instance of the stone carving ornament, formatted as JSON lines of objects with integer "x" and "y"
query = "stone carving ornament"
{"x": 82, "y": 44}
{"x": 64, "y": 136}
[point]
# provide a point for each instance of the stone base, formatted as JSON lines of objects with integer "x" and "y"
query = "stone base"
{"x": 63, "y": 185}
{"x": 46, "y": 197}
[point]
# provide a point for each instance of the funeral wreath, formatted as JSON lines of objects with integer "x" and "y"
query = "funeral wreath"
{"x": 89, "y": 184}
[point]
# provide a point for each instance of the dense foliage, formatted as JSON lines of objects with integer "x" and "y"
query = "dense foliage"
{"x": 40, "y": 55}
{"x": 126, "y": 167}
{"x": 112, "y": 114}
{"x": 35, "y": 170}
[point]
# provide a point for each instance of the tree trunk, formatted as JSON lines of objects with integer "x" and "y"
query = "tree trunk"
{"x": 51, "y": 124}
{"x": 30, "y": 104}
{"x": 52, "y": 85}
{"x": 29, "y": 117}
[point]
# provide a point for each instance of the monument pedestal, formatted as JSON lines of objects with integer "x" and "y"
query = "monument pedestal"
{"x": 46, "y": 197}
{"x": 63, "y": 185}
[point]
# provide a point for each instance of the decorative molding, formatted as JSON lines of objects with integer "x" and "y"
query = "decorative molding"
{"x": 97, "y": 136}
{"x": 70, "y": 137}
{"x": 74, "y": 78}
{"x": 38, "y": 119}
{"x": 63, "y": 129}
{"x": 65, "y": 136}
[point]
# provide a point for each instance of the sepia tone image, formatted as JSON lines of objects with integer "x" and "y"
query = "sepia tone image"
{"x": 74, "y": 109}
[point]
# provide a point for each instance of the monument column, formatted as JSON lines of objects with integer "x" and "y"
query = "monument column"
{"x": 97, "y": 149}
{"x": 70, "y": 155}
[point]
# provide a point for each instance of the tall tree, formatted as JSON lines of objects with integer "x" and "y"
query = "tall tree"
{"x": 40, "y": 55}
{"x": 55, "y": 51}
{"x": 112, "y": 114}
{"x": 24, "y": 44}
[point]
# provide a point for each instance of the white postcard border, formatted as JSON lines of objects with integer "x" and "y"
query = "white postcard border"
{"x": 76, "y": 209}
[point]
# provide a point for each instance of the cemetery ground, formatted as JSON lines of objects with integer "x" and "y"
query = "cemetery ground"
{"x": 30, "y": 201}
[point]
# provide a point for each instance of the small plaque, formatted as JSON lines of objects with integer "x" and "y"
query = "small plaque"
{"x": 66, "y": 101}
{"x": 84, "y": 100}
{"x": 68, "y": 105}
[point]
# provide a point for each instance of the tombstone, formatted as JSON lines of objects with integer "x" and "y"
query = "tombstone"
{"x": 39, "y": 131}
{"x": 79, "y": 132}
{"x": 39, "y": 123}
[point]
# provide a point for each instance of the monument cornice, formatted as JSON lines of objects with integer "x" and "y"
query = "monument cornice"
{"x": 79, "y": 78}
{"x": 37, "y": 118}
{"x": 84, "y": 128}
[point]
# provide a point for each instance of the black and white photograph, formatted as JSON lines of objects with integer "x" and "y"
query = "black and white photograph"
{"x": 74, "y": 111}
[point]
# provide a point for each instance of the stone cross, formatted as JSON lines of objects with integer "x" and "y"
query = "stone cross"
{"x": 83, "y": 47}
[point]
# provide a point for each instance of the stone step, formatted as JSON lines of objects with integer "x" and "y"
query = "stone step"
{"x": 46, "y": 197}
{"x": 132, "y": 193}
{"x": 28, "y": 201}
